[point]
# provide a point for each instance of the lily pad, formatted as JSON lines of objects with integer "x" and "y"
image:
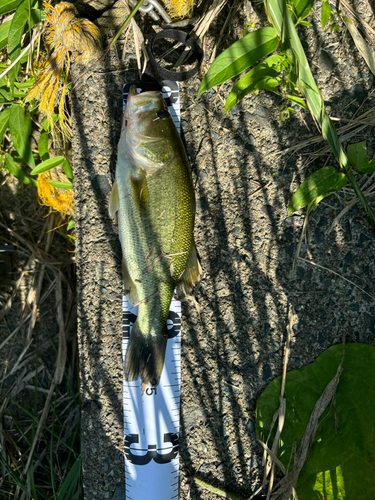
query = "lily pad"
{"x": 340, "y": 465}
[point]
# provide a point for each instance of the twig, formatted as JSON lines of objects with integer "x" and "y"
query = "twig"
{"x": 62, "y": 351}
{"x": 337, "y": 274}
{"x": 298, "y": 250}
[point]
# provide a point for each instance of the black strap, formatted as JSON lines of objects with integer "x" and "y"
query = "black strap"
{"x": 158, "y": 72}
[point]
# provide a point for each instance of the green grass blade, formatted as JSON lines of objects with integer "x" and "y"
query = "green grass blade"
{"x": 72, "y": 480}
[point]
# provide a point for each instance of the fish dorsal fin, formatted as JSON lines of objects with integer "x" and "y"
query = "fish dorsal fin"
{"x": 130, "y": 288}
{"x": 192, "y": 272}
{"x": 113, "y": 200}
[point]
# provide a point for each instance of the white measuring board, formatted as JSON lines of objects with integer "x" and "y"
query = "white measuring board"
{"x": 152, "y": 421}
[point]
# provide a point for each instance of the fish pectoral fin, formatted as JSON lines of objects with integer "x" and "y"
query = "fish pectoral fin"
{"x": 140, "y": 192}
{"x": 192, "y": 272}
{"x": 130, "y": 288}
{"x": 113, "y": 200}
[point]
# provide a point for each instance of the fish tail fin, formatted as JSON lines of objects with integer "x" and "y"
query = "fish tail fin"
{"x": 145, "y": 357}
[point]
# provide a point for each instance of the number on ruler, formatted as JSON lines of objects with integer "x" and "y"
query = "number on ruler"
{"x": 152, "y": 453}
{"x": 153, "y": 389}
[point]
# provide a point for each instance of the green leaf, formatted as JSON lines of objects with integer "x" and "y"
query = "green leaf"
{"x": 71, "y": 482}
{"x": 302, "y": 8}
{"x": 17, "y": 171}
{"x": 240, "y": 56}
{"x": 357, "y": 154}
{"x": 316, "y": 187}
{"x": 16, "y": 30}
{"x": 340, "y": 464}
{"x": 305, "y": 23}
{"x": 20, "y": 127}
{"x": 47, "y": 165}
{"x": 43, "y": 146}
{"x": 4, "y": 121}
{"x": 298, "y": 101}
{"x": 7, "y": 6}
{"x": 68, "y": 170}
{"x": 71, "y": 225}
{"x": 26, "y": 85}
{"x": 263, "y": 76}
{"x": 61, "y": 185}
{"x": 326, "y": 14}
{"x": 368, "y": 167}
{"x": 4, "y": 30}
{"x": 46, "y": 124}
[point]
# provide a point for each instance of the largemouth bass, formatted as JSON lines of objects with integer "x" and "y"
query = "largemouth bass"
{"x": 154, "y": 196}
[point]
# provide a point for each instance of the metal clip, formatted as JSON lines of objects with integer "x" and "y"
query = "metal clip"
{"x": 149, "y": 6}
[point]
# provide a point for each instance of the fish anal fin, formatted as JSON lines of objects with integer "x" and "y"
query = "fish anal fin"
{"x": 113, "y": 200}
{"x": 130, "y": 288}
{"x": 192, "y": 272}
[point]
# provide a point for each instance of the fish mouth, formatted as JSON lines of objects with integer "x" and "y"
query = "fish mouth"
{"x": 142, "y": 99}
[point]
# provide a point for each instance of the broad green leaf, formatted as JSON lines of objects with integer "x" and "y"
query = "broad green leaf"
{"x": 340, "y": 465}
{"x": 26, "y": 85}
{"x": 326, "y": 14}
{"x": 302, "y": 8}
{"x": 68, "y": 170}
{"x": 16, "y": 30}
{"x": 4, "y": 93}
{"x": 263, "y": 76}
{"x": 4, "y": 122}
{"x": 305, "y": 23}
{"x": 8, "y": 5}
{"x": 316, "y": 187}
{"x": 4, "y": 30}
{"x": 71, "y": 224}
{"x": 17, "y": 171}
{"x": 20, "y": 127}
{"x": 61, "y": 185}
{"x": 239, "y": 57}
{"x": 43, "y": 146}
{"x": 47, "y": 165}
{"x": 357, "y": 154}
{"x": 368, "y": 167}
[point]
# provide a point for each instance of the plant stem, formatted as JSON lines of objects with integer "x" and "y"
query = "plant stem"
{"x": 127, "y": 21}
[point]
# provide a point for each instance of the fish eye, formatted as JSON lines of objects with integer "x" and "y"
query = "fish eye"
{"x": 163, "y": 113}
